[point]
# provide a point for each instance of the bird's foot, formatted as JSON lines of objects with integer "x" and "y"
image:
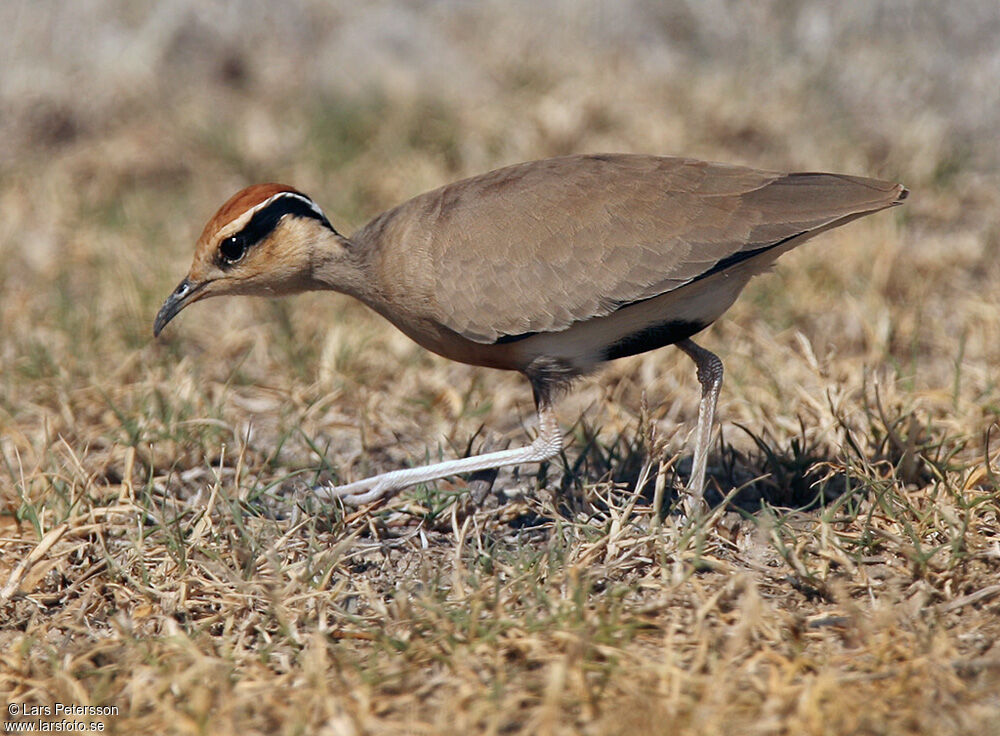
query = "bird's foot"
{"x": 357, "y": 493}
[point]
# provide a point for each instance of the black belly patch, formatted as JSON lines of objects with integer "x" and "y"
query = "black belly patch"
{"x": 504, "y": 339}
{"x": 652, "y": 337}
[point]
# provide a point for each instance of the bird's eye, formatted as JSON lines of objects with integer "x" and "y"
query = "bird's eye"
{"x": 232, "y": 249}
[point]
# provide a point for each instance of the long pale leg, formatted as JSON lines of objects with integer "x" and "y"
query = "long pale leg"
{"x": 546, "y": 445}
{"x": 710, "y": 378}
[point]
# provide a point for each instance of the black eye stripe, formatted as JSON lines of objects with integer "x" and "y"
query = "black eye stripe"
{"x": 263, "y": 223}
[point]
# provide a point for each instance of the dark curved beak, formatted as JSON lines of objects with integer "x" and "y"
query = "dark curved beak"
{"x": 180, "y": 298}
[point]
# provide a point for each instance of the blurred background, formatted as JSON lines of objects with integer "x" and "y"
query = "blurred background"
{"x": 124, "y": 125}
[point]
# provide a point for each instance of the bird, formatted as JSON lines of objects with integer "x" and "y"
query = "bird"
{"x": 549, "y": 268}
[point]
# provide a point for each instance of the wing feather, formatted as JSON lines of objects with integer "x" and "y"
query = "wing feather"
{"x": 536, "y": 247}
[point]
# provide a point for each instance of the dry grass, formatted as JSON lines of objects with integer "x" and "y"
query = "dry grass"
{"x": 158, "y": 551}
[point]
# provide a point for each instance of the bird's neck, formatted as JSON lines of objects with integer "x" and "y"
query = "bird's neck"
{"x": 340, "y": 264}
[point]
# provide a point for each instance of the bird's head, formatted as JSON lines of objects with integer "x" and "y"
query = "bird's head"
{"x": 266, "y": 240}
